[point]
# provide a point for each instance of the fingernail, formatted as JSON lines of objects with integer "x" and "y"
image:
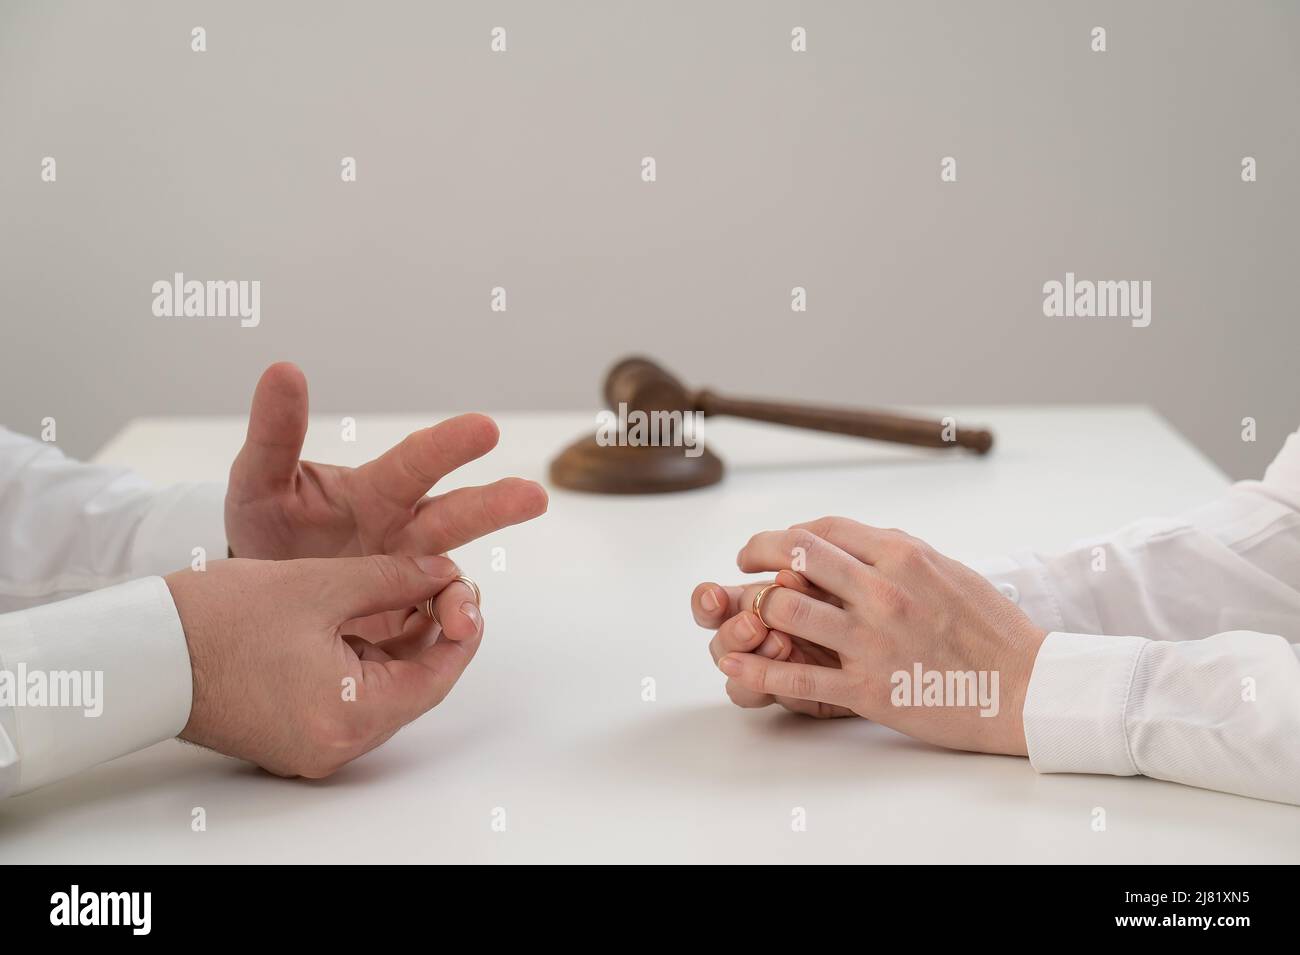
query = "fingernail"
{"x": 749, "y": 627}
{"x": 730, "y": 665}
{"x": 470, "y": 610}
{"x": 435, "y": 566}
{"x": 709, "y": 602}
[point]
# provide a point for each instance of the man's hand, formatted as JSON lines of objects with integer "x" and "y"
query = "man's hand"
{"x": 277, "y": 681}
{"x": 280, "y": 508}
{"x": 875, "y": 603}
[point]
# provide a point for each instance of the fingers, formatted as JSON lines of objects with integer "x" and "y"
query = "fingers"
{"x": 419, "y": 681}
{"x": 777, "y": 646}
{"x": 785, "y": 608}
{"x": 820, "y": 711}
{"x": 277, "y": 426}
{"x": 742, "y": 633}
{"x": 818, "y": 560}
{"x": 379, "y": 626}
{"x": 347, "y": 587}
{"x": 736, "y": 636}
{"x": 868, "y": 544}
{"x": 403, "y": 474}
{"x": 747, "y": 698}
{"x": 798, "y": 614}
{"x": 797, "y": 581}
{"x": 453, "y": 519}
{"x": 779, "y": 678}
{"x": 712, "y": 603}
{"x": 458, "y": 612}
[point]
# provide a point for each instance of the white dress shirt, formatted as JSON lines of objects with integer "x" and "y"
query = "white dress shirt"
{"x": 1172, "y": 644}
{"x": 70, "y": 529}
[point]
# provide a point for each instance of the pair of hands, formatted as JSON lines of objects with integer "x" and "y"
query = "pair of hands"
{"x": 308, "y": 649}
{"x": 857, "y": 605}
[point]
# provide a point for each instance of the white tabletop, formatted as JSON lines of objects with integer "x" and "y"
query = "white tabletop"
{"x": 549, "y": 723}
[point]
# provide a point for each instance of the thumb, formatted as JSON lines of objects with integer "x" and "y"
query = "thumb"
{"x": 347, "y": 587}
{"x": 277, "y": 426}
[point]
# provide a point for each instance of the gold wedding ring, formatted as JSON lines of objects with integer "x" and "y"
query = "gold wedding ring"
{"x": 758, "y": 604}
{"x": 478, "y": 598}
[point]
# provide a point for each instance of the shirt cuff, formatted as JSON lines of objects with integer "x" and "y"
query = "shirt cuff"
{"x": 180, "y": 518}
{"x": 1076, "y": 702}
{"x": 115, "y": 668}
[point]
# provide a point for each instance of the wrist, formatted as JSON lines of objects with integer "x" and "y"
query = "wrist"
{"x": 1028, "y": 641}
{"x": 186, "y": 588}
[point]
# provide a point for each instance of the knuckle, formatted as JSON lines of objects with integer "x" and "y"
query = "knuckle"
{"x": 489, "y": 514}
{"x": 409, "y": 454}
{"x": 803, "y": 684}
{"x": 456, "y": 523}
{"x": 796, "y": 609}
{"x": 802, "y": 539}
{"x": 384, "y": 569}
{"x": 891, "y": 599}
{"x": 910, "y": 553}
{"x": 822, "y": 525}
{"x": 835, "y": 525}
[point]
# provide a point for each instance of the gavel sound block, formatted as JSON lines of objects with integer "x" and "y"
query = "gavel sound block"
{"x": 635, "y": 467}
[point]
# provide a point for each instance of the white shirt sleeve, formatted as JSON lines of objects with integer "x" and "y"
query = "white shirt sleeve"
{"x": 1172, "y": 644}
{"x": 87, "y": 679}
{"x": 72, "y": 527}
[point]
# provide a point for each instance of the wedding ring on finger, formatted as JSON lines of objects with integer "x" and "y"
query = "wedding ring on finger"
{"x": 758, "y": 604}
{"x": 478, "y": 598}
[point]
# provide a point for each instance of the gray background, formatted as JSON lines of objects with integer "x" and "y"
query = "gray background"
{"x": 775, "y": 169}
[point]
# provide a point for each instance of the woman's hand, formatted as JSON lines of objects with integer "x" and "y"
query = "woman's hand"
{"x": 920, "y": 642}
{"x": 728, "y": 611}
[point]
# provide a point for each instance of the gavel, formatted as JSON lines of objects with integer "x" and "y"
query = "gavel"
{"x": 639, "y": 385}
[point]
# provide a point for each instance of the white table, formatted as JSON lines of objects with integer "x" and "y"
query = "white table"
{"x": 549, "y": 722}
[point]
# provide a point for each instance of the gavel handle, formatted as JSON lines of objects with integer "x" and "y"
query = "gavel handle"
{"x": 862, "y": 424}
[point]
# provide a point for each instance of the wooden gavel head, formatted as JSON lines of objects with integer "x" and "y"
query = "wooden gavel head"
{"x": 640, "y": 384}
{"x": 639, "y": 387}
